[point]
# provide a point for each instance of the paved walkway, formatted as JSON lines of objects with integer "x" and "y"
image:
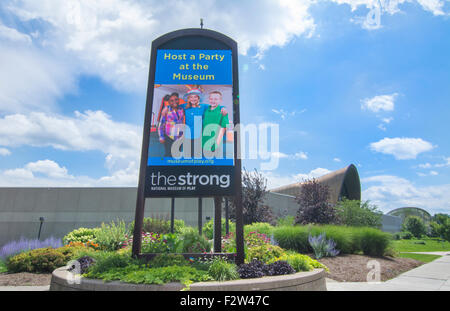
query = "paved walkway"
{"x": 433, "y": 276}
{"x": 24, "y": 288}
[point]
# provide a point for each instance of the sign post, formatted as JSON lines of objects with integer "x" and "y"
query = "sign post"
{"x": 190, "y": 148}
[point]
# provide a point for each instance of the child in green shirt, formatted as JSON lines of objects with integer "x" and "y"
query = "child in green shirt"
{"x": 214, "y": 124}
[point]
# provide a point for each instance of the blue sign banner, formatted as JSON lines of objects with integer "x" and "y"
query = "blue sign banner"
{"x": 194, "y": 67}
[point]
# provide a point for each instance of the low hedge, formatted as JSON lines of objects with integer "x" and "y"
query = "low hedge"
{"x": 40, "y": 260}
{"x": 349, "y": 240}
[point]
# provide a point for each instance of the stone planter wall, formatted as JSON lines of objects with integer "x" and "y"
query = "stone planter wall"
{"x": 63, "y": 280}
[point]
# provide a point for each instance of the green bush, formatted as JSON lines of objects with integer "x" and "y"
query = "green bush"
{"x": 415, "y": 225}
{"x": 406, "y": 235}
{"x": 82, "y": 235}
{"x": 111, "y": 236}
{"x": 358, "y": 214}
{"x": 221, "y": 270}
{"x": 293, "y": 237}
{"x": 372, "y": 242}
{"x": 166, "y": 260}
{"x": 300, "y": 262}
{"x": 159, "y": 225}
{"x": 286, "y": 221}
{"x": 349, "y": 240}
{"x": 208, "y": 228}
{"x": 140, "y": 275}
{"x": 441, "y": 228}
{"x": 106, "y": 261}
{"x": 192, "y": 242}
{"x": 341, "y": 235}
{"x": 40, "y": 260}
{"x": 264, "y": 253}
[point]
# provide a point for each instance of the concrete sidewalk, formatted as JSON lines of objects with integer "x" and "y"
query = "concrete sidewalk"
{"x": 24, "y": 288}
{"x": 433, "y": 276}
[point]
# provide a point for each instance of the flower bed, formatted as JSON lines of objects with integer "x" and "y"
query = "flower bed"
{"x": 63, "y": 280}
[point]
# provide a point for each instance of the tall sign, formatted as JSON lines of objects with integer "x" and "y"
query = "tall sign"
{"x": 189, "y": 147}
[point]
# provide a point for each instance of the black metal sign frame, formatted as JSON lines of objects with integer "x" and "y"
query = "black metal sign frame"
{"x": 191, "y": 39}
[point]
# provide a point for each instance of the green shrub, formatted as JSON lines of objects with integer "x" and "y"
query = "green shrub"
{"x": 111, "y": 236}
{"x": 300, "y": 262}
{"x": 293, "y": 237}
{"x": 415, "y": 225}
{"x": 82, "y": 235}
{"x": 106, "y": 261}
{"x": 286, "y": 221}
{"x": 372, "y": 242}
{"x": 349, "y": 240}
{"x": 3, "y": 266}
{"x": 160, "y": 243}
{"x": 192, "y": 242}
{"x": 264, "y": 253}
{"x": 159, "y": 225}
{"x": 341, "y": 235}
{"x": 260, "y": 227}
{"x": 358, "y": 214}
{"x": 140, "y": 275}
{"x": 221, "y": 270}
{"x": 40, "y": 260}
{"x": 406, "y": 235}
{"x": 166, "y": 260}
{"x": 208, "y": 228}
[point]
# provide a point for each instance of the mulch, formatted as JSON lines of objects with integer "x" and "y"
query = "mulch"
{"x": 353, "y": 268}
{"x": 25, "y": 279}
{"x": 343, "y": 268}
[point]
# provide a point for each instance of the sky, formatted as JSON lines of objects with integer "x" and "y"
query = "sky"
{"x": 363, "y": 82}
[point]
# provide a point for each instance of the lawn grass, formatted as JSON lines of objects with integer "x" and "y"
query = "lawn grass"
{"x": 421, "y": 257}
{"x": 2, "y": 266}
{"x": 430, "y": 245}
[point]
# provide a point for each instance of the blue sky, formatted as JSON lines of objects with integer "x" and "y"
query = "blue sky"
{"x": 344, "y": 87}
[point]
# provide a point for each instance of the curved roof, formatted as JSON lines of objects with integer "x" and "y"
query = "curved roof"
{"x": 342, "y": 183}
{"x": 410, "y": 211}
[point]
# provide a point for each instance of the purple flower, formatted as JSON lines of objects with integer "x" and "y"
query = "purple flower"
{"x": 15, "y": 247}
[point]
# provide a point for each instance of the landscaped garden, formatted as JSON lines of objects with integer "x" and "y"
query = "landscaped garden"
{"x": 341, "y": 239}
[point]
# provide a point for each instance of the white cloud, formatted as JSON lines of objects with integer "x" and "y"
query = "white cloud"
{"x": 426, "y": 165}
{"x": 48, "y": 173}
{"x": 297, "y": 156}
{"x": 111, "y": 38}
{"x": 402, "y": 148}
{"x": 390, "y": 192}
{"x": 91, "y": 130}
{"x": 275, "y": 180}
{"x": 337, "y": 160}
{"x": 48, "y": 168}
{"x": 379, "y": 103}
{"x": 31, "y": 80}
{"x": 4, "y": 152}
{"x": 284, "y": 114}
{"x": 13, "y": 35}
{"x": 301, "y": 155}
{"x": 434, "y": 6}
{"x": 446, "y": 163}
{"x": 372, "y": 20}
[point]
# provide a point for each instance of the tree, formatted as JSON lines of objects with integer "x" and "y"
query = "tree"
{"x": 440, "y": 226}
{"x": 254, "y": 189}
{"x": 313, "y": 204}
{"x": 358, "y": 214}
{"x": 415, "y": 225}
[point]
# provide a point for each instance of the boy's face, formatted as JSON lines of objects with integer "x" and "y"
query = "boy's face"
{"x": 215, "y": 100}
